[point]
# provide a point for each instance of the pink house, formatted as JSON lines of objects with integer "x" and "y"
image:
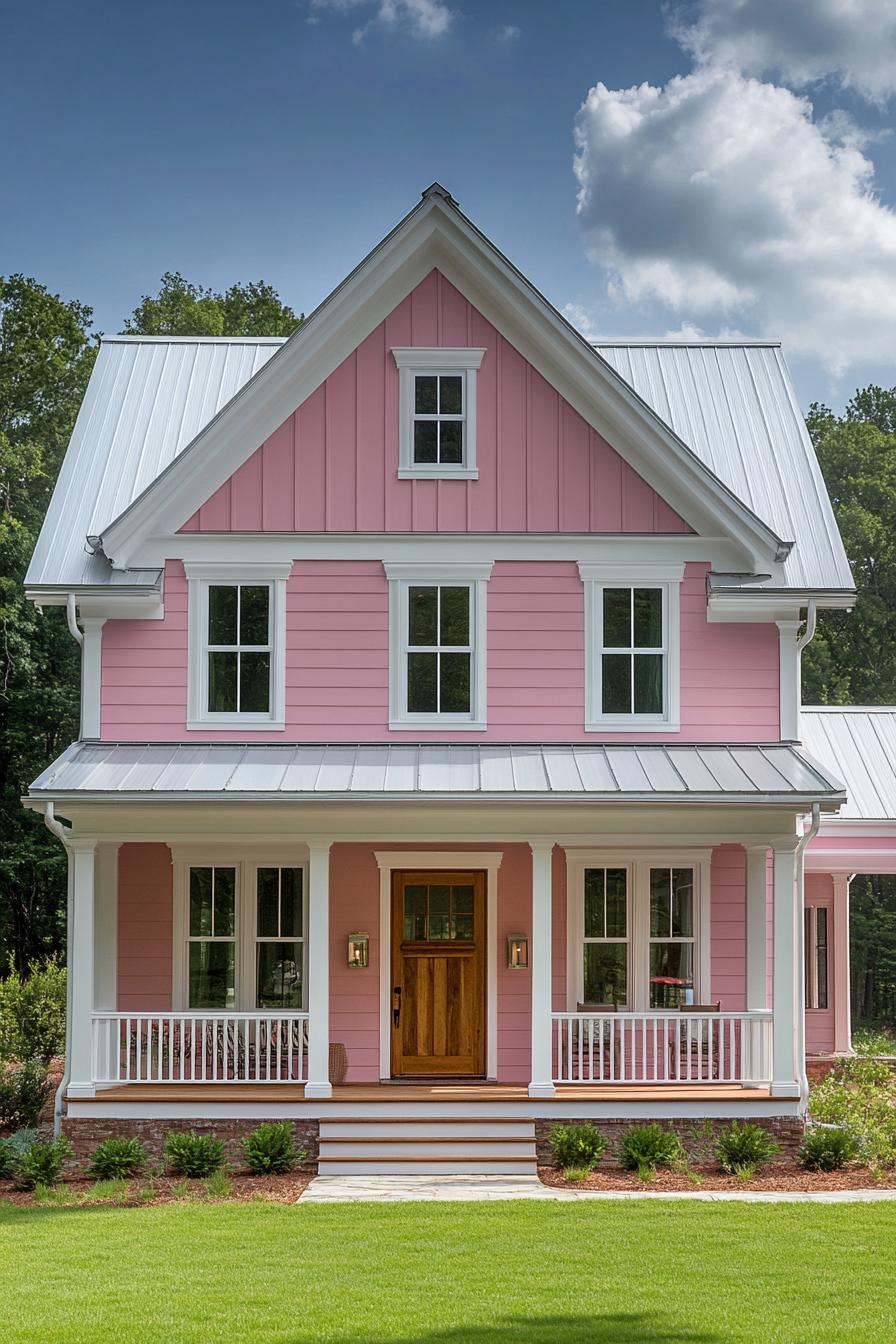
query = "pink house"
{"x": 441, "y": 753}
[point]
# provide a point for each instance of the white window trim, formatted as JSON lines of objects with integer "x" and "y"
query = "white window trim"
{"x": 403, "y": 576}
{"x": 637, "y": 863}
{"x": 413, "y": 360}
{"x": 596, "y": 577}
{"x": 185, "y": 857}
{"x": 200, "y": 574}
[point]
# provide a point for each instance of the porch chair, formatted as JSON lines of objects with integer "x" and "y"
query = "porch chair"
{"x": 700, "y": 1044}
{"x": 600, "y": 1041}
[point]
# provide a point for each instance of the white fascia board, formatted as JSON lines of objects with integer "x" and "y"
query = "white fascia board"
{"x": 436, "y": 234}
{"x": 119, "y": 602}
{"x": 773, "y": 606}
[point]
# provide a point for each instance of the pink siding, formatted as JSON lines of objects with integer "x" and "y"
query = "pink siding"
{"x": 728, "y": 970}
{"x": 819, "y": 890}
{"x": 332, "y": 465}
{"x": 145, "y": 906}
{"x": 337, "y": 660}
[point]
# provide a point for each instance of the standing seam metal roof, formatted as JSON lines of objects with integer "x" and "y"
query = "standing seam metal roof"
{"x": 859, "y": 743}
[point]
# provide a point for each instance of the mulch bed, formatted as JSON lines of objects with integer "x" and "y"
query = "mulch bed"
{"x": 781, "y": 1177}
{"x": 170, "y": 1190}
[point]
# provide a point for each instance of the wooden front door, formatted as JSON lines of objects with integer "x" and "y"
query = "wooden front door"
{"x": 438, "y": 974}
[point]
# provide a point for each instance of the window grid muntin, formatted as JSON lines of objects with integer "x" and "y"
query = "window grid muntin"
{"x": 633, "y": 650}
{"x": 259, "y": 940}
{"x": 228, "y": 939}
{"x": 671, "y": 939}
{"x": 438, "y": 417}
{"x": 439, "y": 649}
{"x": 605, "y": 940}
{"x": 238, "y": 648}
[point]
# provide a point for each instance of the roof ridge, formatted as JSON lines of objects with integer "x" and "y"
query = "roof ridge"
{"x": 137, "y": 338}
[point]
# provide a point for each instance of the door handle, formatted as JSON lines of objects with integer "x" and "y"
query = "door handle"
{"x": 396, "y": 1005}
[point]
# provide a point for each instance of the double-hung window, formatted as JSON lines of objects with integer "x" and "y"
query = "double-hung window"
{"x": 279, "y": 938}
{"x": 631, "y": 647}
{"x": 605, "y": 941}
{"x": 437, "y": 409}
{"x": 211, "y": 938}
{"x": 437, "y": 645}
{"x": 671, "y": 937}
{"x": 236, "y": 646}
{"x": 816, "y": 925}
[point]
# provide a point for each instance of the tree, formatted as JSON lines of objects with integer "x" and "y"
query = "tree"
{"x": 46, "y": 354}
{"x": 184, "y": 309}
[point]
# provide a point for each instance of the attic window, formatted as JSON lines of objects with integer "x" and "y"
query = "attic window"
{"x": 437, "y": 412}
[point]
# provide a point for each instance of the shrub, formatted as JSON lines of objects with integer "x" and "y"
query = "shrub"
{"x": 859, "y": 1095}
{"x": 874, "y": 1041}
{"x": 646, "y": 1147}
{"x": 11, "y": 1149}
{"x": 825, "y": 1149}
{"x": 577, "y": 1146}
{"x": 269, "y": 1149}
{"x": 576, "y": 1175}
{"x": 194, "y": 1154}
{"x": 41, "y": 1163}
{"x": 744, "y": 1148}
{"x": 32, "y": 1012}
{"x": 114, "y": 1159}
{"x": 24, "y": 1089}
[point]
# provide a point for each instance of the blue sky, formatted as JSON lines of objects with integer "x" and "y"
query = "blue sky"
{"x": 280, "y": 140}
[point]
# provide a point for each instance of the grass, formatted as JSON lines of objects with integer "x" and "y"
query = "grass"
{"x": 491, "y": 1273}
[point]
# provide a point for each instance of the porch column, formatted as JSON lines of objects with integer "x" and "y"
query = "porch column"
{"x": 318, "y": 1084}
{"x": 80, "y": 1034}
{"x": 787, "y": 1004}
{"x": 840, "y": 965}
{"x": 756, "y": 918}
{"x": 541, "y": 1084}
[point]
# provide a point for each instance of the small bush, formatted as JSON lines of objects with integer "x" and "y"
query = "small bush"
{"x": 32, "y": 1012}
{"x": 874, "y": 1041}
{"x": 114, "y": 1159}
{"x": 11, "y": 1149}
{"x": 744, "y": 1148}
{"x": 576, "y": 1175}
{"x": 41, "y": 1163}
{"x": 219, "y": 1185}
{"x": 644, "y": 1148}
{"x": 270, "y": 1150}
{"x": 24, "y": 1089}
{"x": 194, "y": 1154}
{"x": 826, "y": 1149}
{"x": 577, "y": 1146}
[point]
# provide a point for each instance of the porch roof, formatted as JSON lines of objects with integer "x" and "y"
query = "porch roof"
{"x": 773, "y": 773}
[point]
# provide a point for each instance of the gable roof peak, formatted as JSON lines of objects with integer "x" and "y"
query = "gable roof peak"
{"x": 436, "y": 189}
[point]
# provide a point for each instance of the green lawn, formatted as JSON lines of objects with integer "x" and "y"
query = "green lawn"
{"x": 513, "y": 1273}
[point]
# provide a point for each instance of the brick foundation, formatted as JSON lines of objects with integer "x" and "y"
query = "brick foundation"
{"x": 697, "y": 1136}
{"x": 85, "y": 1132}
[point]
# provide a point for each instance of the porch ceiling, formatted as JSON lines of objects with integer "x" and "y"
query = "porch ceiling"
{"x": 773, "y": 773}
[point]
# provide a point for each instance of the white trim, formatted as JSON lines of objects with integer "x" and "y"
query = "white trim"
{"x": 667, "y": 578}
{"x": 412, "y": 361}
{"x": 82, "y": 879}
{"x": 541, "y": 962}
{"x": 318, "y": 990}
{"x": 789, "y": 679}
{"x": 637, "y": 862}
{"x": 200, "y": 575}
{"x": 400, "y": 578}
{"x": 92, "y": 675}
{"x": 437, "y": 234}
{"x": 105, "y": 933}
{"x": 488, "y": 861}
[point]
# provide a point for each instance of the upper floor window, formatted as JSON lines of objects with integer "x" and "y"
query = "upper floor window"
{"x": 631, "y": 647}
{"x": 437, "y": 645}
{"x": 237, "y": 639}
{"x": 437, "y": 410}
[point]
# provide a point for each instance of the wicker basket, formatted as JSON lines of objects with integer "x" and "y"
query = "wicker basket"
{"x": 338, "y": 1062}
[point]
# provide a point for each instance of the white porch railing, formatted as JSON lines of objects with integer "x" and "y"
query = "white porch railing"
{"x": 199, "y": 1047}
{"x": 669, "y": 1047}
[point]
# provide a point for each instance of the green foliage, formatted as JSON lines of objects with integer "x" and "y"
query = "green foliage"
{"x": 116, "y": 1158}
{"x": 184, "y": 309}
{"x": 24, "y": 1089}
{"x": 824, "y": 1149}
{"x": 744, "y": 1147}
{"x": 32, "y": 1011}
{"x": 870, "y": 1042}
{"x": 12, "y": 1147}
{"x": 193, "y": 1154}
{"x": 41, "y": 1163}
{"x": 580, "y": 1145}
{"x": 872, "y": 943}
{"x": 270, "y": 1149}
{"x": 219, "y": 1185}
{"x": 644, "y": 1148}
{"x": 576, "y": 1175}
{"x": 859, "y": 1095}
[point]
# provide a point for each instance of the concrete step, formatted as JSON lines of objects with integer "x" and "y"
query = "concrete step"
{"x": 365, "y": 1129}
{"x": 387, "y": 1148}
{"x": 428, "y": 1166}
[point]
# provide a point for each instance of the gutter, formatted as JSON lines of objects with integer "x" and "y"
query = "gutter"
{"x": 61, "y": 833}
{"x": 74, "y": 631}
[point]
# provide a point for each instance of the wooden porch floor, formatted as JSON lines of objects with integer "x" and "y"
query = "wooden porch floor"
{"x": 481, "y": 1093}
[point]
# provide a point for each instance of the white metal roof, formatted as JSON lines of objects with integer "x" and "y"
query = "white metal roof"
{"x": 859, "y": 745}
{"x": 714, "y": 774}
{"x": 148, "y": 397}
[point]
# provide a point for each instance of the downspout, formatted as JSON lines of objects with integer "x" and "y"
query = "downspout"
{"x": 72, "y": 622}
{"x": 811, "y": 623}
{"x": 802, "y": 641}
{"x": 801, "y": 848}
{"x": 61, "y": 833}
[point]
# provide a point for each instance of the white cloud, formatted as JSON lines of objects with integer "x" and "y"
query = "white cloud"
{"x": 852, "y": 42}
{"x": 425, "y": 19}
{"x": 718, "y": 197}
{"x": 509, "y": 33}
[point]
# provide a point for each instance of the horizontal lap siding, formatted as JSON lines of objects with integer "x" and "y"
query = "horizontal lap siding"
{"x": 145, "y": 909}
{"x": 144, "y": 695}
{"x": 728, "y": 972}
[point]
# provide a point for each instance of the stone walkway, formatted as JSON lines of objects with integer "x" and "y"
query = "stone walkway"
{"x": 396, "y": 1189}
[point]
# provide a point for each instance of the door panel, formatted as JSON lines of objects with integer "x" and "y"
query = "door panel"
{"x": 438, "y": 974}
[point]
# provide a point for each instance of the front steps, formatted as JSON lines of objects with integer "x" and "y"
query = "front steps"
{"x": 434, "y": 1146}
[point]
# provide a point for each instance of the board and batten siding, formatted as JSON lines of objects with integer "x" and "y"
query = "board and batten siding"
{"x": 332, "y": 466}
{"x": 337, "y": 659}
